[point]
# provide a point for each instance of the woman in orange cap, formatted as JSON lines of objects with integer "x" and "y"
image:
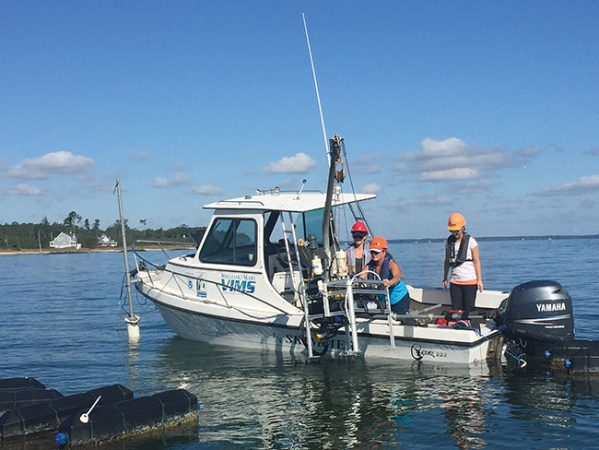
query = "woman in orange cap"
{"x": 387, "y": 268}
{"x": 462, "y": 255}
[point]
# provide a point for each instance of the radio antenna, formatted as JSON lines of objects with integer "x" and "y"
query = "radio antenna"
{"x": 324, "y": 133}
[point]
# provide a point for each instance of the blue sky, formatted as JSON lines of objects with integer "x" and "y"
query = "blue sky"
{"x": 487, "y": 108}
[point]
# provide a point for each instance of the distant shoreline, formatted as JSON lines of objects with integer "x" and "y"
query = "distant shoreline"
{"x": 45, "y": 251}
{"x": 32, "y": 251}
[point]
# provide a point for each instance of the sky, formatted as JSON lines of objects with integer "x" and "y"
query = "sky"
{"x": 486, "y": 108}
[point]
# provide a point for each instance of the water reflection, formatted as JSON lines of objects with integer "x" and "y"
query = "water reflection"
{"x": 465, "y": 414}
{"x": 261, "y": 400}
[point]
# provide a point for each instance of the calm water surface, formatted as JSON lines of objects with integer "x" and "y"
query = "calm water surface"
{"x": 62, "y": 323}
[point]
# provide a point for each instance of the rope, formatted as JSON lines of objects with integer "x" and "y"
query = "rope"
{"x": 361, "y": 214}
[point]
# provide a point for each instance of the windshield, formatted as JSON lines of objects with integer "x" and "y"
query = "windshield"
{"x": 313, "y": 225}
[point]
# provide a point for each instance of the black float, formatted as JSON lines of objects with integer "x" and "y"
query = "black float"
{"x": 37, "y": 417}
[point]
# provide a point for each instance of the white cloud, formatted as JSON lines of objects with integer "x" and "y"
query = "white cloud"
{"x": 178, "y": 179}
{"x": 160, "y": 182}
{"x": 207, "y": 189}
{"x": 530, "y": 151}
{"x": 430, "y": 148}
{"x": 22, "y": 189}
{"x": 454, "y": 160}
{"x": 400, "y": 167}
{"x": 298, "y": 163}
{"x": 53, "y": 163}
{"x": 371, "y": 188}
{"x": 582, "y": 185}
{"x": 140, "y": 155}
{"x": 366, "y": 165}
{"x": 435, "y": 201}
{"x": 472, "y": 186}
{"x": 456, "y": 174}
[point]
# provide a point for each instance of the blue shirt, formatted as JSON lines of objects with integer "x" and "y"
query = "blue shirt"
{"x": 396, "y": 291}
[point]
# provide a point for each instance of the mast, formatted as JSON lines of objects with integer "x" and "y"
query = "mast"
{"x": 334, "y": 157}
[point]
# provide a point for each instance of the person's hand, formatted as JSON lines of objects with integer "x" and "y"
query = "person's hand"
{"x": 444, "y": 284}
{"x": 480, "y": 285}
{"x": 386, "y": 283}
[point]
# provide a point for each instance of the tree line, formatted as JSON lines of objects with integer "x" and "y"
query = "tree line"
{"x": 23, "y": 236}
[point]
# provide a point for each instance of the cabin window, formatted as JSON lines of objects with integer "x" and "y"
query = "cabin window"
{"x": 313, "y": 224}
{"x": 230, "y": 241}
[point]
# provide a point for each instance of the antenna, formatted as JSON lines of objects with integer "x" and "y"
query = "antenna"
{"x": 324, "y": 133}
{"x": 304, "y": 181}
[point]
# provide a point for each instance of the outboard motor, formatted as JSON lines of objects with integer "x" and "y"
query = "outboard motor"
{"x": 539, "y": 311}
{"x": 538, "y": 324}
{"x": 537, "y": 320}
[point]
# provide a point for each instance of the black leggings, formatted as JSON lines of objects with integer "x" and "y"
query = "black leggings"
{"x": 463, "y": 296}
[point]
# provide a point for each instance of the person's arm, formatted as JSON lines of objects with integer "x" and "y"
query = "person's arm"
{"x": 479, "y": 273}
{"x": 445, "y": 271}
{"x": 351, "y": 268}
{"x": 395, "y": 272}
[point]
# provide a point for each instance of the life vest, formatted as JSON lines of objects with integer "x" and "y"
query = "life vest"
{"x": 461, "y": 257}
{"x": 385, "y": 270}
{"x": 398, "y": 290}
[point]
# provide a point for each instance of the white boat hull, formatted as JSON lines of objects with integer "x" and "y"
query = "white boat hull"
{"x": 282, "y": 333}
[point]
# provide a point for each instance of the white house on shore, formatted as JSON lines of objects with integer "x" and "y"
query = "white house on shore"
{"x": 105, "y": 241}
{"x": 63, "y": 240}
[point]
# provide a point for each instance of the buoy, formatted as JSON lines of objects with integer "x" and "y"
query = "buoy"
{"x": 61, "y": 439}
{"x": 568, "y": 363}
{"x": 133, "y": 329}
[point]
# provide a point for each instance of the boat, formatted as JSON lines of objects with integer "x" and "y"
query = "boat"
{"x": 270, "y": 274}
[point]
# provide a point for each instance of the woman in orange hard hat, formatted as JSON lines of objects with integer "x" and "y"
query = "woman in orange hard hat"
{"x": 462, "y": 256}
{"x": 358, "y": 251}
{"x": 387, "y": 268}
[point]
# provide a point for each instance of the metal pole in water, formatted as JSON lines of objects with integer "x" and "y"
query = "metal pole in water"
{"x": 132, "y": 320}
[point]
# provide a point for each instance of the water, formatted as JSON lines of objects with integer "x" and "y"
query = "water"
{"x": 62, "y": 323}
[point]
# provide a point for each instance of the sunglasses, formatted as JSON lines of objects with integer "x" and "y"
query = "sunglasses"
{"x": 358, "y": 235}
{"x": 375, "y": 252}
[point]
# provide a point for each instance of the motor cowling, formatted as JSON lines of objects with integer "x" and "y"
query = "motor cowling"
{"x": 538, "y": 310}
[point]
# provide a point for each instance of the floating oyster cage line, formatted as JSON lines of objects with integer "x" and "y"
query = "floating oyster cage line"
{"x": 32, "y": 415}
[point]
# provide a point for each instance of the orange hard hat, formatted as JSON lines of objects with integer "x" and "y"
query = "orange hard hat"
{"x": 378, "y": 243}
{"x": 359, "y": 227}
{"x": 456, "y": 222}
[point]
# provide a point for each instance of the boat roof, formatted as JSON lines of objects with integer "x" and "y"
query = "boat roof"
{"x": 294, "y": 201}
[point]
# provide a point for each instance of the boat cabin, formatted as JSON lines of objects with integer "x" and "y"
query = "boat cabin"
{"x": 271, "y": 232}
